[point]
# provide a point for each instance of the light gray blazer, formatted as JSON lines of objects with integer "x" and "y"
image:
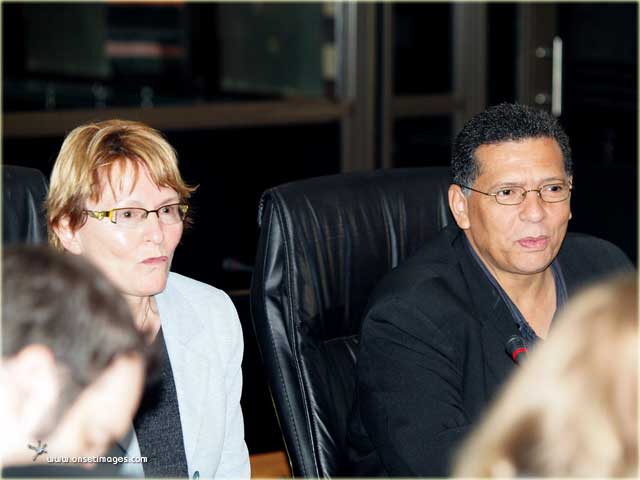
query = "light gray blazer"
{"x": 204, "y": 341}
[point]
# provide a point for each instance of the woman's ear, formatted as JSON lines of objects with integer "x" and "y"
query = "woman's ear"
{"x": 68, "y": 237}
{"x": 459, "y": 207}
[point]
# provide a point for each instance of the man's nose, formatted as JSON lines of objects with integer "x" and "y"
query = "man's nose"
{"x": 532, "y": 208}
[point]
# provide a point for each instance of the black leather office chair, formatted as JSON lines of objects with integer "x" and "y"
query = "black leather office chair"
{"x": 324, "y": 244}
{"x": 23, "y": 217}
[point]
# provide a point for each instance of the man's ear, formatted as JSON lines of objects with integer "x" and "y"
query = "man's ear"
{"x": 459, "y": 206}
{"x": 570, "y": 183}
{"x": 34, "y": 376}
{"x": 67, "y": 236}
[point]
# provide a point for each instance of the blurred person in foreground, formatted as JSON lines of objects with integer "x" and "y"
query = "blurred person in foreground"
{"x": 73, "y": 363}
{"x": 432, "y": 344}
{"x": 571, "y": 411}
{"x": 117, "y": 198}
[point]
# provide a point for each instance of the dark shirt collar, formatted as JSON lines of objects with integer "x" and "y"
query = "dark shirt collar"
{"x": 525, "y": 329}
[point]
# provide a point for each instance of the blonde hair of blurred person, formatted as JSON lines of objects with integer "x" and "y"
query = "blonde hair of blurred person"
{"x": 571, "y": 410}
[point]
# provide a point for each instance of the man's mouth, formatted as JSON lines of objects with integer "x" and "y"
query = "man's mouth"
{"x": 534, "y": 243}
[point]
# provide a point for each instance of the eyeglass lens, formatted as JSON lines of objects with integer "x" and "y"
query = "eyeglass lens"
{"x": 548, "y": 193}
{"x": 167, "y": 215}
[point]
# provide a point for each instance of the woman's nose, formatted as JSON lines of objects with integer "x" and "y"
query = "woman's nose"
{"x": 153, "y": 228}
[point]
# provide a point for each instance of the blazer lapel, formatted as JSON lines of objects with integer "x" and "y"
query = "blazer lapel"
{"x": 122, "y": 445}
{"x": 489, "y": 309}
{"x": 576, "y": 274}
{"x": 189, "y": 364}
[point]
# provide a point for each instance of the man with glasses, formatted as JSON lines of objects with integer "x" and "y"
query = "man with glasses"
{"x": 433, "y": 345}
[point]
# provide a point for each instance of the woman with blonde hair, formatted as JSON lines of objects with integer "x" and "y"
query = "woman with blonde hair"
{"x": 117, "y": 198}
{"x": 572, "y": 408}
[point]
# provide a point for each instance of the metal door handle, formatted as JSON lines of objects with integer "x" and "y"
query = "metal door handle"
{"x": 556, "y": 77}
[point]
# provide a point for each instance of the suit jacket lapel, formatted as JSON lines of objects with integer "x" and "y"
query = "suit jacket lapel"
{"x": 573, "y": 272}
{"x": 189, "y": 364}
{"x": 497, "y": 324}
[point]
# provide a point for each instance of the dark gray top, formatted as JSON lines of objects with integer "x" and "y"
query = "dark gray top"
{"x": 157, "y": 423}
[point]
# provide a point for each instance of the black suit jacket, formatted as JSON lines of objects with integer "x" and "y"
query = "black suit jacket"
{"x": 432, "y": 352}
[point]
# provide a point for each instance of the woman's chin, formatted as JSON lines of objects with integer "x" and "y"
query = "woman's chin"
{"x": 151, "y": 287}
{"x": 154, "y": 290}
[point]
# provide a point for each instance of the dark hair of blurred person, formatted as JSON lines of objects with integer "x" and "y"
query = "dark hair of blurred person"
{"x": 72, "y": 359}
{"x": 572, "y": 408}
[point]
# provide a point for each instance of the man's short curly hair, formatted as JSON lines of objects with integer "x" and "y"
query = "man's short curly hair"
{"x": 503, "y": 123}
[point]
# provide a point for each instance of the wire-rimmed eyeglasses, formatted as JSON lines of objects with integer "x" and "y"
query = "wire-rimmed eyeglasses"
{"x": 133, "y": 217}
{"x": 552, "y": 193}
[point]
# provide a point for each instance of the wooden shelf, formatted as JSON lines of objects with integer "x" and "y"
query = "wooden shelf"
{"x": 182, "y": 117}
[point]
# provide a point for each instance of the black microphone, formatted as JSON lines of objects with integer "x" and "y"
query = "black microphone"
{"x": 233, "y": 265}
{"x": 517, "y": 349}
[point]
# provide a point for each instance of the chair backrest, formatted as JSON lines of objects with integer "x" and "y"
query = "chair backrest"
{"x": 23, "y": 217}
{"x": 324, "y": 244}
